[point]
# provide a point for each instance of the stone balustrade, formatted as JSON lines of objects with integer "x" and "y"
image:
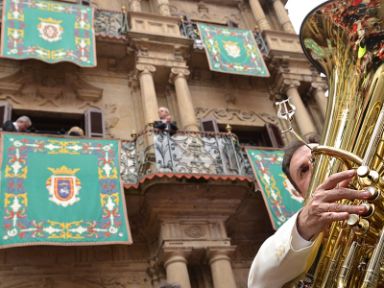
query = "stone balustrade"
{"x": 145, "y": 23}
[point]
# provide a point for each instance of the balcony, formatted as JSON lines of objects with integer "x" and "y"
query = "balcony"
{"x": 189, "y": 153}
{"x": 153, "y": 24}
{"x": 282, "y": 44}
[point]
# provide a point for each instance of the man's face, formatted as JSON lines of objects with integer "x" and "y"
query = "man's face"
{"x": 23, "y": 125}
{"x": 301, "y": 168}
{"x": 163, "y": 113}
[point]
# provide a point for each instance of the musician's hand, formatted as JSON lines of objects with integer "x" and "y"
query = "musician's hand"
{"x": 322, "y": 208}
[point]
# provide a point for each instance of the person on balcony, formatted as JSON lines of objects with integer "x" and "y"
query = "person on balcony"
{"x": 20, "y": 125}
{"x": 165, "y": 123}
{"x": 75, "y": 131}
{"x": 284, "y": 255}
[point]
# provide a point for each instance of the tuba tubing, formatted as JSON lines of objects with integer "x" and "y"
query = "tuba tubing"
{"x": 345, "y": 41}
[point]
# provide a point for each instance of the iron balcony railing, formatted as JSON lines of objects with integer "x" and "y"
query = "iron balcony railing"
{"x": 155, "y": 151}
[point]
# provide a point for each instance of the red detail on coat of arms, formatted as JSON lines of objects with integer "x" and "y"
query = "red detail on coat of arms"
{"x": 63, "y": 188}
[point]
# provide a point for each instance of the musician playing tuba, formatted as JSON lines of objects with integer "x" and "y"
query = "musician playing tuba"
{"x": 284, "y": 255}
{"x": 345, "y": 41}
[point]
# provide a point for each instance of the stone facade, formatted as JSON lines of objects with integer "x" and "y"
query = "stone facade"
{"x": 198, "y": 232}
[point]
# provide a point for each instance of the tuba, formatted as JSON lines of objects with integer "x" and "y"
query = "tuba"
{"x": 344, "y": 39}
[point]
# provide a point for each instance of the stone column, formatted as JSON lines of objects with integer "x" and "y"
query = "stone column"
{"x": 135, "y": 6}
{"x": 221, "y": 268}
{"x": 259, "y": 15}
{"x": 319, "y": 94}
{"x": 302, "y": 117}
{"x": 282, "y": 16}
{"x": 184, "y": 100}
{"x": 164, "y": 7}
{"x": 148, "y": 92}
{"x": 176, "y": 267}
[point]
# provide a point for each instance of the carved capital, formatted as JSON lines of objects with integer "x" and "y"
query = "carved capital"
{"x": 171, "y": 255}
{"x": 319, "y": 87}
{"x": 178, "y": 72}
{"x": 220, "y": 253}
{"x": 288, "y": 83}
{"x": 145, "y": 68}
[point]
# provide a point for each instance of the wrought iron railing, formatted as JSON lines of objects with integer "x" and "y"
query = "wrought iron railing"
{"x": 189, "y": 29}
{"x": 264, "y": 49}
{"x": 185, "y": 152}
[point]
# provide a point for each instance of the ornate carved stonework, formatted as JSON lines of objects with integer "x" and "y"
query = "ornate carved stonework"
{"x": 145, "y": 68}
{"x": 109, "y": 23}
{"x": 194, "y": 231}
{"x": 203, "y": 10}
{"x": 50, "y": 87}
{"x": 225, "y": 115}
{"x": 178, "y": 72}
{"x": 111, "y": 116}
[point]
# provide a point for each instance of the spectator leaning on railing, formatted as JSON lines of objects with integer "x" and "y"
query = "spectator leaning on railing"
{"x": 20, "y": 125}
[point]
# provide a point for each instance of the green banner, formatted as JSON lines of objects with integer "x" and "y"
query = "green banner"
{"x": 232, "y": 50}
{"x": 49, "y": 31}
{"x": 61, "y": 191}
{"x": 280, "y": 197}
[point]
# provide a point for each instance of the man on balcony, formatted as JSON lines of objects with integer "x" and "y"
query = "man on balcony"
{"x": 165, "y": 123}
{"x": 284, "y": 255}
{"x": 20, "y": 125}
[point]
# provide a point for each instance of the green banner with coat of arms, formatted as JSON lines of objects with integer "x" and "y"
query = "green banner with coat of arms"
{"x": 280, "y": 197}
{"x": 232, "y": 50}
{"x": 50, "y": 31}
{"x": 61, "y": 191}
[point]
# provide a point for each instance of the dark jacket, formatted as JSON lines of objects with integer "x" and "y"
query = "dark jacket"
{"x": 8, "y": 126}
{"x": 171, "y": 128}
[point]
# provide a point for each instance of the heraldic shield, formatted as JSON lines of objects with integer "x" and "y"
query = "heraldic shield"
{"x": 63, "y": 186}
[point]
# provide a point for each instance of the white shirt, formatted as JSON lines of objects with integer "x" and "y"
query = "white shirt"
{"x": 16, "y": 126}
{"x": 281, "y": 258}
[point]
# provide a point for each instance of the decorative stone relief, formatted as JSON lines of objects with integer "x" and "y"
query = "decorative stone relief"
{"x": 202, "y": 8}
{"x": 115, "y": 282}
{"x": 204, "y": 11}
{"x": 194, "y": 231}
{"x": 207, "y": 230}
{"x": 48, "y": 88}
{"x": 109, "y": 23}
{"x": 164, "y": 7}
{"x": 155, "y": 271}
{"x": 225, "y": 115}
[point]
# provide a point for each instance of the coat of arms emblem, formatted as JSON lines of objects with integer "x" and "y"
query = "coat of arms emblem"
{"x": 63, "y": 186}
{"x": 50, "y": 29}
{"x": 232, "y": 48}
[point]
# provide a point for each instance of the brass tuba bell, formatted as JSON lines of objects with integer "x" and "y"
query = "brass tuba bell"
{"x": 344, "y": 39}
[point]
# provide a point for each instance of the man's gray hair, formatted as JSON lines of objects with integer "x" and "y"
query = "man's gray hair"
{"x": 25, "y": 119}
{"x": 164, "y": 108}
